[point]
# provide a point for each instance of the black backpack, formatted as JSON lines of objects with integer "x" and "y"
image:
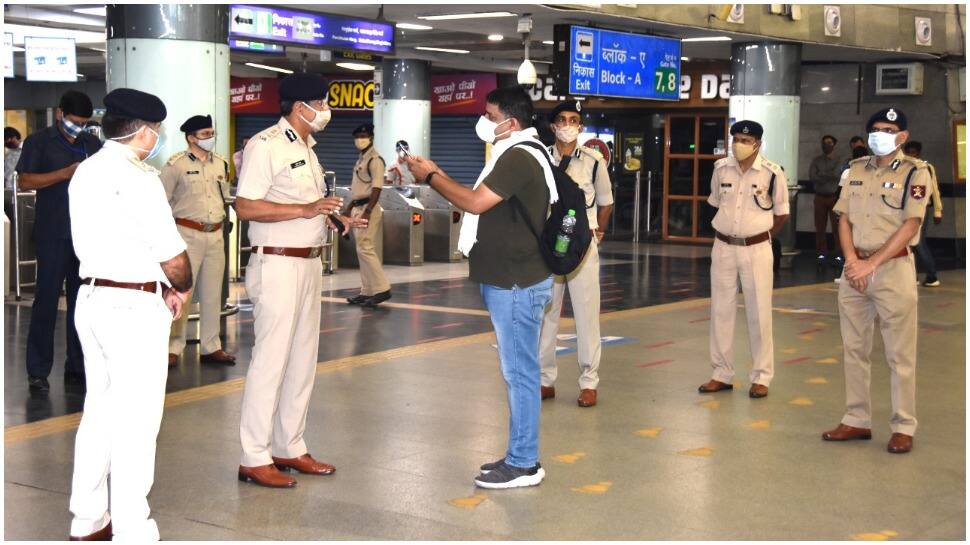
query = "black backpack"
{"x": 571, "y": 197}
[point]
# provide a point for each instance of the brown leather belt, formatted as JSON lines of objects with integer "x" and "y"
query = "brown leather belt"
{"x": 737, "y": 241}
{"x": 311, "y": 252}
{"x": 204, "y": 227}
{"x": 866, "y": 255}
{"x": 150, "y": 287}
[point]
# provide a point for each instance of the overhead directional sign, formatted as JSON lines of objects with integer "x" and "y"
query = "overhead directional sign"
{"x": 596, "y": 62}
{"x": 267, "y": 23}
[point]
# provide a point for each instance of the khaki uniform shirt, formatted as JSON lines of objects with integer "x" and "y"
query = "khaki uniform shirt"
{"x": 599, "y": 192}
{"x": 877, "y": 201}
{"x": 935, "y": 198}
{"x": 196, "y": 188}
{"x": 368, "y": 174}
{"x": 281, "y": 168}
{"x": 744, "y": 207}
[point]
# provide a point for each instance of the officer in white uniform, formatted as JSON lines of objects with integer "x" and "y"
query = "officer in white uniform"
{"x": 196, "y": 183}
{"x": 281, "y": 193}
{"x": 590, "y": 172}
{"x": 126, "y": 241}
{"x": 751, "y": 197}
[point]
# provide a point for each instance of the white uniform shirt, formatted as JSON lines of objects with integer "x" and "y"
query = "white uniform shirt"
{"x": 281, "y": 168}
{"x": 121, "y": 222}
{"x": 598, "y": 192}
{"x": 744, "y": 207}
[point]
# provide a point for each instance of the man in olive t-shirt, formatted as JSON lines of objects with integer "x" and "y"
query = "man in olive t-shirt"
{"x": 503, "y": 256}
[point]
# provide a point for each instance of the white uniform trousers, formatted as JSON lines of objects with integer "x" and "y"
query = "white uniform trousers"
{"x": 372, "y": 278}
{"x": 207, "y": 258}
{"x": 753, "y": 265}
{"x": 286, "y": 296}
{"x": 584, "y": 293}
{"x": 124, "y": 334}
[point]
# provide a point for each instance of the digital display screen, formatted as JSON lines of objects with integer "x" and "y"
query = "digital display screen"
{"x": 314, "y": 29}
{"x": 50, "y": 59}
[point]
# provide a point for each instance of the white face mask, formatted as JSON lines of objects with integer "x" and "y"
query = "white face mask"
{"x": 881, "y": 143}
{"x": 320, "y": 119}
{"x": 207, "y": 143}
{"x": 742, "y": 151}
{"x": 485, "y": 129}
{"x": 361, "y": 143}
{"x": 567, "y": 134}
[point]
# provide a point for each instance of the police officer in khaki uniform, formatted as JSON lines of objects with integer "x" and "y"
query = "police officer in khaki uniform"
{"x": 281, "y": 194}
{"x": 587, "y": 168}
{"x": 882, "y": 205}
{"x": 751, "y": 197}
{"x": 196, "y": 183}
{"x": 365, "y": 192}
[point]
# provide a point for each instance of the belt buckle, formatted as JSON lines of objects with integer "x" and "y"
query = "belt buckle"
{"x": 314, "y": 252}
{"x": 738, "y": 241}
{"x": 209, "y": 227}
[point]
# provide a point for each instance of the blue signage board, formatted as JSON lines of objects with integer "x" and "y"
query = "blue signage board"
{"x": 624, "y": 65}
{"x": 265, "y": 23}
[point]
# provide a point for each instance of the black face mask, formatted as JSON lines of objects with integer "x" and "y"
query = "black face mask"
{"x": 827, "y": 148}
{"x": 10, "y": 144}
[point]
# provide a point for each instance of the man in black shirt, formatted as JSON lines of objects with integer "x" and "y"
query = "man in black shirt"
{"x": 503, "y": 256}
{"x": 47, "y": 162}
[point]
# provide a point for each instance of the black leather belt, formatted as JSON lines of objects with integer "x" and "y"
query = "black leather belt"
{"x": 738, "y": 241}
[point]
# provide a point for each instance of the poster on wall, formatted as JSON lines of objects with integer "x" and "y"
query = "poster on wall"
{"x": 50, "y": 59}
{"x": 461, "y": 94}
{"x": 7, "y": 55}
{"x": 632, "y": 153}
{"x": 254, "y": 96}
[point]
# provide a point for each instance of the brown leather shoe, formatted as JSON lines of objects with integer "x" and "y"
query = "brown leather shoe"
{"x": 219, "y": 356}
{"x": 757, "y": 391}
{"x": 173, "y": 359}
{"x": 547, "y": 392}
{"x": 266, "y": 475}
{"x": 103, "y": 534}
{"x": 587, "y": 397}
{"x": 304, "y": 464}
{"x": 900, "y": 443}
{"x": 847, "y": 433}
{"x": 712, "y": 386}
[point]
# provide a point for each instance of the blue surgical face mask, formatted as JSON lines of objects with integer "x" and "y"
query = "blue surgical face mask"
{"x": 72, "y": 129}
{"x": 158, "y": 144}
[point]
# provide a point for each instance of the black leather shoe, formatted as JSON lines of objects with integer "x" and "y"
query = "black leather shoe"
{"x": 356, "y": 300}
{"x": 38, "y": 384}
{"x": 376, "y": 299}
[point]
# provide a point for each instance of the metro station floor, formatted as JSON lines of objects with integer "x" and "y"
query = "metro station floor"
{"x": 409, "y": 401}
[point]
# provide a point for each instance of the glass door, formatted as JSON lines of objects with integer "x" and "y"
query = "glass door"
{"x": 693, "y": 142}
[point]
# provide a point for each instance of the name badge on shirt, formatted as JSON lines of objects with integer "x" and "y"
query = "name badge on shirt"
{"x": 890, "y": 185}
{"x": 855, "y": 182}
{"x": 726, "y": 185}
{"x": 192, "y": 172}
{"x": 298, "y": 164}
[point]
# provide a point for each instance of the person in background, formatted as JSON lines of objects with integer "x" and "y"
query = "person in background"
{"x": 825, "y": 171}
{"x": 237, "y": 157}
{"x": 914, "y": 149}
{"x": 11, "y": 155}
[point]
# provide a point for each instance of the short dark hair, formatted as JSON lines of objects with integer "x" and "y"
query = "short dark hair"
{"x": 76, "y": 103}
{"x": 286, "y": 107}
{"x": 113, "y": 126}
{"x": 830, "y": 137}
{"x": 514, "y": 102}
{"x": 855, "y": 139}
{"x": 913, "y": 145}
{"x": 10, "y": 132}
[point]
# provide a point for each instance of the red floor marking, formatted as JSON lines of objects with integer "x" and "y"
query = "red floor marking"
{"x": 802, "y": 359}
{"x": 695, "y": 320}
{"x": 658, "y": 345}
{"x": 654, "y": 363}
{"x": 933, "y": 329}
{"x": 442, "y": 326}
{"x": 611, "y": 299}
{"x": 432, "y": 339}
{"x": 332, "y": 329}
{"x": 813, "y": 330}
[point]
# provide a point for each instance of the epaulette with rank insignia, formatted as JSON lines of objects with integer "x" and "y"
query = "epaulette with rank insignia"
{"x": 863, "y": 159}
{"x": 143, "y": 165}
{"x": 594, "y": 153}
{"x": 219, "y": 157}
{"x": 271, "y": 132}
{"x": 174, "y": 158}
{"x": 721, "y": 162}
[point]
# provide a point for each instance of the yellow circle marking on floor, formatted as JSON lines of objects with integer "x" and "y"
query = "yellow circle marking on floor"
{"x": 649, "y": 432}
{"x": 827, "y": 361}
{"x": 806, "y": 337}
{"x": 599, "y": 488}
{"x": 801, "y": 401}
{"x": 817, "y": 380}
{"x": 874, "y": 536}
{"x": 819, "y": 324}
{"x": 569, "y": 458}
{"x": 789, "y": 350}
{"x": 702, "y": 452}
{"x": 470, "y": 502}
{"x": 760, "y": 424}
{"x": 712, "y": 404}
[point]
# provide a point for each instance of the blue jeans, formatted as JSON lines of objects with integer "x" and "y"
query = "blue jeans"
{"x": 517, "y": 318}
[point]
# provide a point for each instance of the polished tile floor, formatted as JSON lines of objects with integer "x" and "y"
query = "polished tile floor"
{"x": 409, "y": 401}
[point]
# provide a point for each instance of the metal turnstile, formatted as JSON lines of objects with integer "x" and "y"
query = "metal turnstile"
{"x": 442, "y": 222}
{"x": 403, "y": 225}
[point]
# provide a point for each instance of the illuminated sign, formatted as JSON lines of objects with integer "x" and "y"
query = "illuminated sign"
{"x": 257, "y": 47}
{"x": 310, "y": 29}
{"x": 50, "y": 59}
{"x": 595, "y": 62}
{"x": 351, "y": 95}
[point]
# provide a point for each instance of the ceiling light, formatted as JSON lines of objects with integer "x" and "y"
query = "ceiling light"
{"x": 100, "y": 11}
{"x": 411, "y": 26}
{"x": 527, "y": 73}
{"x": 271, "y": 68}
{"x": 495, "y": 37}
{"x": 708, "y": 39}
{"x": 685, "y": 59}
{"x": 483, "y": 15}
{"x": 826, "y": 88}
{"x": 442, "y": 49}
{"x": 547, "y": 42}
{"x": 355, "y": 66}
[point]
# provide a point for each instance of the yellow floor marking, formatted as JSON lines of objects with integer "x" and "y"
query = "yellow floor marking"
{"x": 649, "y": 432}
{"x": 806, "y": 337}
{"x": 712, "y": 404}
{"x": 801, "y": 401}
{"x": 789, "y": 350}
{"x": 569, "y": 458}
{"x": 470, "y": 502}
{"x": 820, "y": 324}
{"x": 827, "y": 361}
{"x": 428, "y": 308}
{"x": 760, "y": 424}
{"x": 598, "y": 488}
{"x": 874, "y": 536}
{"x": 817, "y": 380}
{"x": 702, "y": 452}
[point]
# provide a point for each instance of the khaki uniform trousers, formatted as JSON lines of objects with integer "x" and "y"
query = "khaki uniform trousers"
{"x": 891, "y": 296}
{"x": 584, "y": 293}
{"x": 372, "y": 279}
{"x": 285, "y": 292}
{"x": 124, "y": 334}
{"x": 753, "y": 264}
{"x": 207, "y": 257}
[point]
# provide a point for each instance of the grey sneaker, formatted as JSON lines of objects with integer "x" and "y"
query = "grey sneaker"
{"x": 491, "y": 465}
{"x": 506, "y": 476}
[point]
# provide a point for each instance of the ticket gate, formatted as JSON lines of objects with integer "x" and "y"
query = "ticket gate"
{"x": 442, "y": 222}
{"x": 403, "y": 225}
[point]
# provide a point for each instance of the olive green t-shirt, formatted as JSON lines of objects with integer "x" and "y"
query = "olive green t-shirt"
{"x": 507, "y": 253}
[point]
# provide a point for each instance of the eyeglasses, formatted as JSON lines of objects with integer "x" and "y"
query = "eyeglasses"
{"x": 563, "y": 120}
{"x": 886, "y": 130}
